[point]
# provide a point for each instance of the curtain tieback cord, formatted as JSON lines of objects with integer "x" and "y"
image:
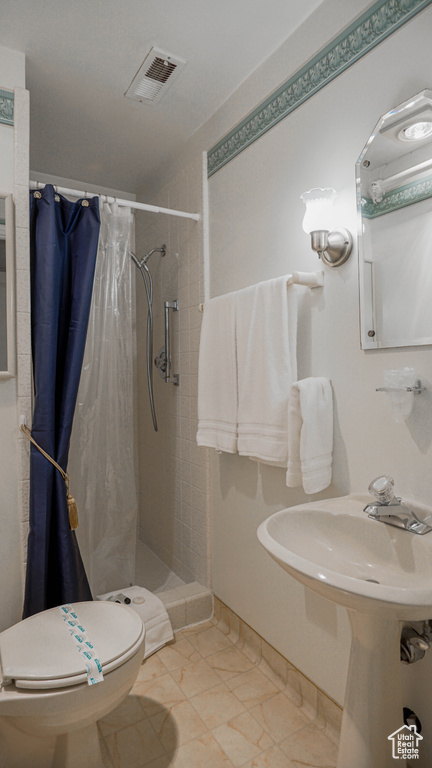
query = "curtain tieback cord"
{"x": 71, "y": 503}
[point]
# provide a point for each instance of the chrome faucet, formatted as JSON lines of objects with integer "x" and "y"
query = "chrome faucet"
{"x": 389, "y": 508}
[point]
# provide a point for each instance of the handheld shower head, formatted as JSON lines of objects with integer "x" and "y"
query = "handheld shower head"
{"x": 148, "y": 285}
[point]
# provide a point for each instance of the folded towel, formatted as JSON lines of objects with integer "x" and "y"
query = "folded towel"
{"x": 310, "y": 434}
{"x": 217, "y": 376}
{"x": 152, "y": 611}
{"x": 266, "y": 331}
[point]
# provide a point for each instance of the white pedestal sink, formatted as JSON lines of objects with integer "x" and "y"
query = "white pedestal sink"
{"x": 383, "y": 576}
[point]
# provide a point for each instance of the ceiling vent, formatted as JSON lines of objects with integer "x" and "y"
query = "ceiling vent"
{"x": 158, "y": 70}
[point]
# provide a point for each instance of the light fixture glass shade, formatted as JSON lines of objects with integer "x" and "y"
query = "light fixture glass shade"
{"x": 319, "y": 209}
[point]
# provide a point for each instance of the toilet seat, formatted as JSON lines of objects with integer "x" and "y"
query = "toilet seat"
{"x": 38, "y": 653}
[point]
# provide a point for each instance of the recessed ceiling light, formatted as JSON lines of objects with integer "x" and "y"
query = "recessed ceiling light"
{"x": 416, "y": 131}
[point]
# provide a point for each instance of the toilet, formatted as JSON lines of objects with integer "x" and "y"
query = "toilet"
{"x": 47, "y": 706}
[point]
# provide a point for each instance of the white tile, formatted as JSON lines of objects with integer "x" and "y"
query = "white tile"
{"x": 21, "y": 199}
{"x": 22, "y": 247}
{"x": 23, "y": 290}
{"x": 23, "y": 333}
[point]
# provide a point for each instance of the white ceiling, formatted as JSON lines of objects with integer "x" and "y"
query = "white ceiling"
{"x": 82, "y": 54}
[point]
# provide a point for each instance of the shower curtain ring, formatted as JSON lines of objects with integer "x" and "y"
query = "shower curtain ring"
{"x": 85, "y": 202}
{"x": 56, "y": 196}
{"x": 37, "y": 194}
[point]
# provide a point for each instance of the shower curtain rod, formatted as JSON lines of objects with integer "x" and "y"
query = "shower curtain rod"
{"x": 123, "y": 203}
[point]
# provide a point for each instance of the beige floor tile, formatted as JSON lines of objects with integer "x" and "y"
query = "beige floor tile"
{"x": 178, "y": 654}
{"x": 195, "y": 678}
{"x": 164, "y": 761}
{"x": 272, "y": 758}
{"x": 195, "y": 629}
{"x": 151, "y": 668}
{"x": 217, "y": 706}
{"x": 310, "y": 747}
{"x": 279, "y": 717}
{"x": 105, "y": 755}
{"x": 158, "y": 695}
{"x": 249, "y": 642}
{"x": 252, "y": 688}
{"x": 127, "y": 713}
{"x": 268, "y": 672}
{"x": 200, "y": 702}
{"x": 242, "y": 738}
{"x": 229, "y": 663}
{"x": 210, "y": 641}
{"x": 203, "y": 752}
{"x": 329, "y": 715}
{"x": 135, "y": 746}
{"x": 177, "y": 727}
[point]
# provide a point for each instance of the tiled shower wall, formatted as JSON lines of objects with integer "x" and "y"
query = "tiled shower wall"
{"x": 173, "y": 471}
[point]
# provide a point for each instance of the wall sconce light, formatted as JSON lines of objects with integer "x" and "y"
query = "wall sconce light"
{"x": 333, "y": 246}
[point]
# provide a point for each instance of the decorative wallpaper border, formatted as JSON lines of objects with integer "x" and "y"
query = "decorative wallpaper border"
{"x": 7, "y": 107}
{"x": 414, "y": 192}
{"x": 371, "y": 28}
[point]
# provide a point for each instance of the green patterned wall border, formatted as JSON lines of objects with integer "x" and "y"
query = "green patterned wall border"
{"x": 414, "y": 192}
{"x": 371, "y": 28}
{"x": 6, "y": 107}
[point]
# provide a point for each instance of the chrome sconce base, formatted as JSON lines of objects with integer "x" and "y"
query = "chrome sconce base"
{"x": 333, "y": 248}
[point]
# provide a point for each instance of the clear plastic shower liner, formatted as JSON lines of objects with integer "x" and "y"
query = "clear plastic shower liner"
{"x": 101, "y": 460}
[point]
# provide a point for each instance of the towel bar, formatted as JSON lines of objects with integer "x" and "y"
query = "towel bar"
{"x": 417, "y": 388}
{"x": 310, "y": 279}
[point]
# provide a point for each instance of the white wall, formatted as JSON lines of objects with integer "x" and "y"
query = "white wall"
{"x": 256, "y": 214}
{"x": 11, "y": 76}
{"x": 255, "y": 234}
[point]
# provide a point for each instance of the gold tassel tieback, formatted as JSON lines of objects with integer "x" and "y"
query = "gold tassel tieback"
{"x": 71, "y": 506}
{"x": 70, "y": 501}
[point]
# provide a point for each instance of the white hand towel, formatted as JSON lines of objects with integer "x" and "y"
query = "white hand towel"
{"x": 310, "y": 434}
{"x": 153, "y": 613}
{"x": 217, "y": 376}
{"x": 266, "y": 326}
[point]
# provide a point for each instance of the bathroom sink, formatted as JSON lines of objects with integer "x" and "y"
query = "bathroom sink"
{"x": 333, "y": 548}
{"x": 383, "y": 576}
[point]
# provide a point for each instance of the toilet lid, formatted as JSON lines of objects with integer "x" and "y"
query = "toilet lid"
{"x": 40, "y": 653}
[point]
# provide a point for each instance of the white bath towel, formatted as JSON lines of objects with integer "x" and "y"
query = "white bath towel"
{"x": 266, "y": 331}
{"x": 310, "y": 434}
{"x": 217, "y": 376}
{"x": 152, "y": 611}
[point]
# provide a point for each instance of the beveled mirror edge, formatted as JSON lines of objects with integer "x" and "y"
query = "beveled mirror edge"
{"x": 10, "y": 372}
{"x": 366, "y": 342}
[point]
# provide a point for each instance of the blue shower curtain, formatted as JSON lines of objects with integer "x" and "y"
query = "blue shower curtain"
{"x": 63, "y": 247}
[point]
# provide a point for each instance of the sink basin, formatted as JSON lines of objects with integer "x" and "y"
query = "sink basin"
{"x": 334, "y": 549}
{"x": 383, "y": 576}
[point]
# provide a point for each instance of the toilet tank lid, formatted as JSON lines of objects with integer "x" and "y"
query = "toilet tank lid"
{"x": 41, "y": 648}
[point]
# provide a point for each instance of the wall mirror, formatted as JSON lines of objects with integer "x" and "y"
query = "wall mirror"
{"x": 394, "y": 206}
{"x": 7, "y": 288}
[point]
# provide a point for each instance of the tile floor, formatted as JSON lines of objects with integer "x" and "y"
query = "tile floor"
{"x": 202, "y": 703}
